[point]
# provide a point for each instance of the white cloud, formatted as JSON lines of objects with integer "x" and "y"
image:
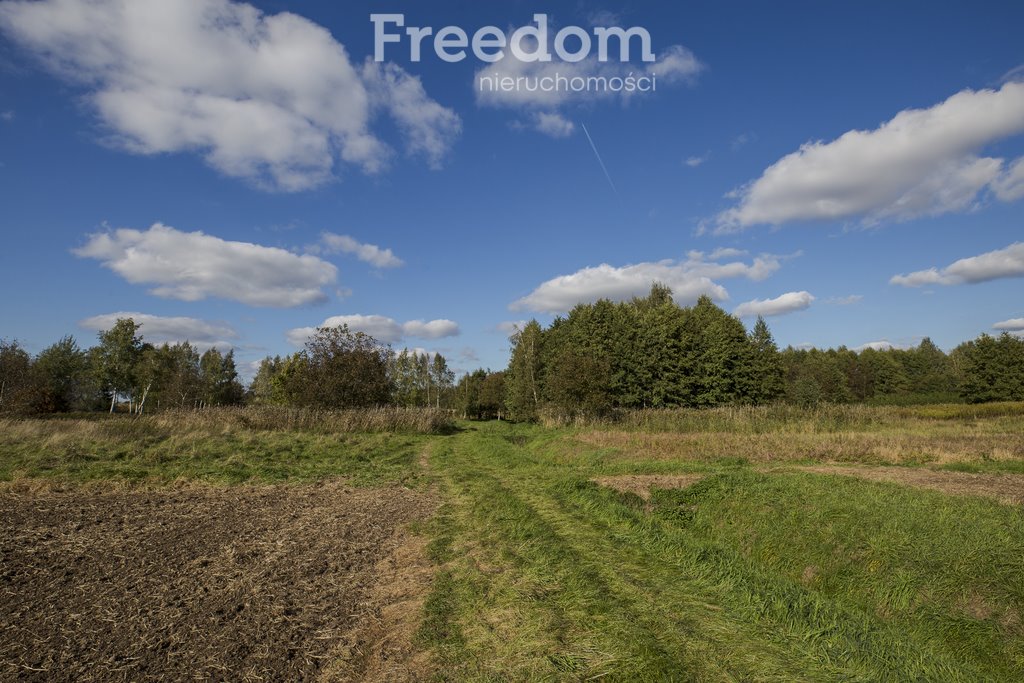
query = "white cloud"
{"x": 368, "y": 253}
{"x": 688, "y": 279}
{"x": 1012, "y": 325}
{"x": 192, "y": 266}
{"x": 7, "y": 115}
{"x": 433, "y": 329}
{"x": 780, "y": 305}
{"x": 675, "y": 64}
{"x": 157, "y": 329}
{"x": 1010, "y": 186}
{"x": 1001, "y": 263}
{"x": 554, "y": 125}
{"x": 381, "y": 328}
{"x": 921, "y": 162}
{"x": 844, "y": 300}
{"x": 429, "y": 128}
{"x": 270, "y": 98}
{"x": 695, "y": 161}
{"x": 726, "y": 252}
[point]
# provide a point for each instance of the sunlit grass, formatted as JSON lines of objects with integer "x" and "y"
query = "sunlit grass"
{"x": 222, "y": 446}
{"x": 746, "y": 575}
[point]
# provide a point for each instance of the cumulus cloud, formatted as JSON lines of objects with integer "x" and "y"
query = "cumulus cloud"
{"x": 273, "y": 99}
{"x": 430, "y": 129}
{"x": 675, "y": 64}
{"x": 1010, "y": 186}
{"x": 780, "y": 305}
{"x": 381, "y": 328}
{"x": 554, "y": 125}
{"x": 368, "y": 253}
{"x": 1012, "y": 325}
{"x": 433, "y": 329}
{"x": 192, "y": 266}
{"x": 921, "y": 162}
{"x": 157, "y": 329}
{"x": 993, "y": 265}
{"x": 687, "y": 278}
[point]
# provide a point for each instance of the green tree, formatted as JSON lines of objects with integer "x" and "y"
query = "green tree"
{"x": 442, "y": 378}
{"x": 993, "y": 369}
{"x": 467, "y": 394}
{"x": 343, "y": 369}
{"x": 766, "y": 376}
{"x": 523, "y": 381}
{"x": 118, "y": 355}
{"x": 491, "y": 397}
{"x": 219, "y": 378}
{"x": 61, "y": 376}
{"x": 16, "y": 391}
{"x": 578, "y": 385}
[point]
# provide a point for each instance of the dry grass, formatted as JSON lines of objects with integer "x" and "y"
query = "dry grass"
{"x": 279, "y": 418}
{"x": 937, "y": 434}
{"x": 788, "y": 418}
{"x": 883, "y": 447}
{"x": 221, "y": 420}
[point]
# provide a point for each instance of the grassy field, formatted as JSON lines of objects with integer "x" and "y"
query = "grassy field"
{"x": 769, "y": 559}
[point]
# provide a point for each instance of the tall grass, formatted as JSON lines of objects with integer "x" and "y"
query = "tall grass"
{"x": 782, "y": 417}
{"x": 224, "y": 444}
{"x": 280, "y": 418}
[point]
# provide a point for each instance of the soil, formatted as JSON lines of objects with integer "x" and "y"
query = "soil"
{"x": 1006, "y": 488}
{"x": 641, "y": 484}
{"x": 196, "y": 582}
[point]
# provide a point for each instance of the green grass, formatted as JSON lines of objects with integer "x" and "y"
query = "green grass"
{"x": 743, "y": 576}
{"x": 122, "y": 449}
{"x": 757, "y": 572}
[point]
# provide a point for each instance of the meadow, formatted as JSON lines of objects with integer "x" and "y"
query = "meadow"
{"x": 770, "y": 544}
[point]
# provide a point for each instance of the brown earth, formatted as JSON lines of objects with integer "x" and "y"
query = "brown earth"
{"x": 641, "y": 484}
{"x": 1006, "y": 488}
{"x": 241, "y": 583}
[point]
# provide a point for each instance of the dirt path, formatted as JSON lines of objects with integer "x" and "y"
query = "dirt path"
{"x": 241, "y": 583}
{"x": 381, "y": 647}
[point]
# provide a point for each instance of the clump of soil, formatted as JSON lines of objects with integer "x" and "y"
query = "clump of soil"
{"x": 240, "y": 583}
{"x": 641, "y": 484}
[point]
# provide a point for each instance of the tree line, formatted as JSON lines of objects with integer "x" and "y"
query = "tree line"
{"x": 337, "y": 368}
{"x": 652, "y": 353}
{"x": 340, "y": 368}
{"x": 121, "y": 371}
{"x": 645, "y": 353}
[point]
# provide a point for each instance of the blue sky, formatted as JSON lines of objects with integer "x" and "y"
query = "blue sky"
{"x": 810, "y": 161}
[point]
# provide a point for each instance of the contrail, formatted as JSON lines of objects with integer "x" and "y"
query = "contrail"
{"x": 598, "y": 155}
